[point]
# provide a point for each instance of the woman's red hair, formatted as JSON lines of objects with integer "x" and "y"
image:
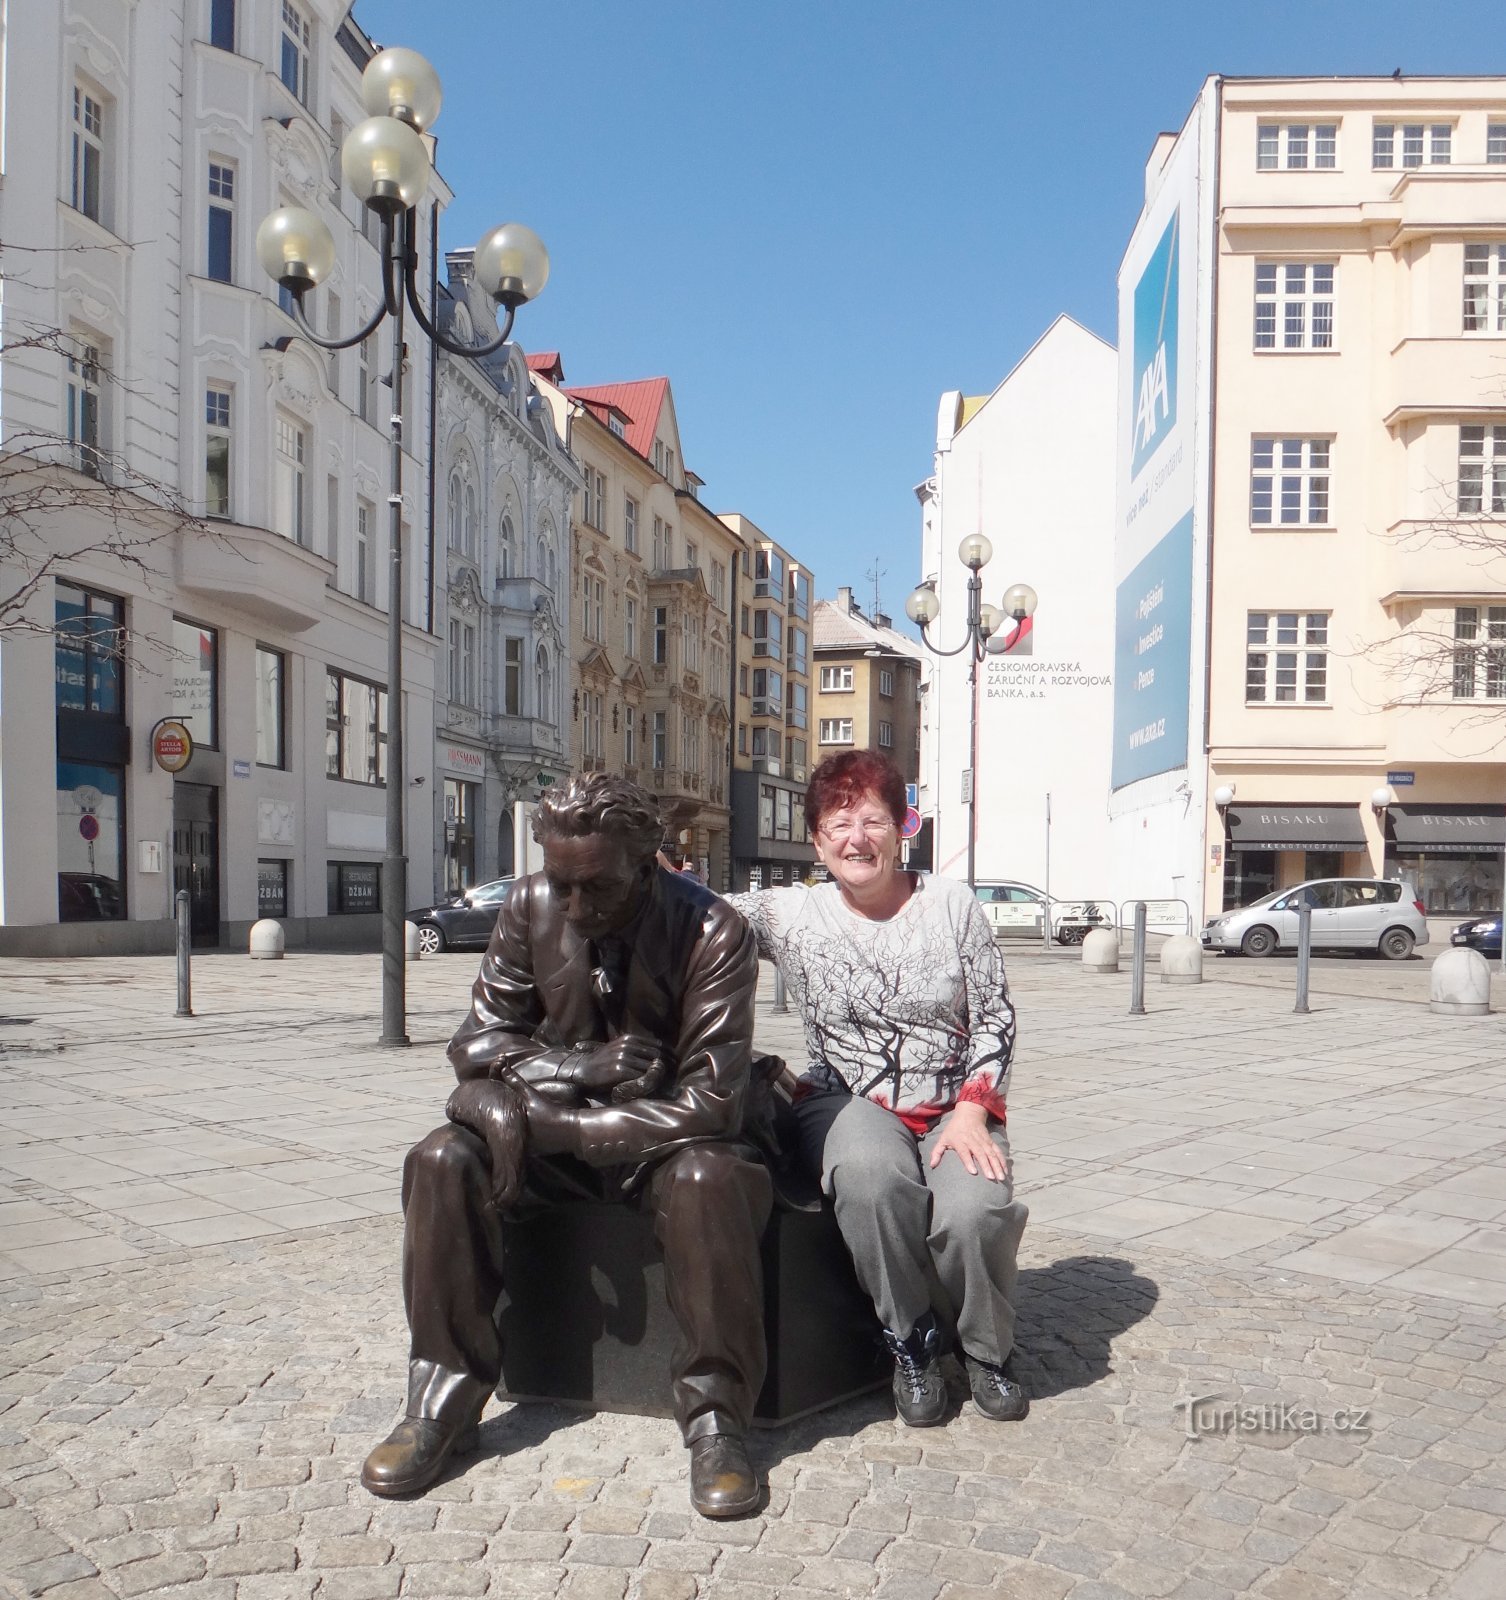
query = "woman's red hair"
{"x": 843, "y": 779}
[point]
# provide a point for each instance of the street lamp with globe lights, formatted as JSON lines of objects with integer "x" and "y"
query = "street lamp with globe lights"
{"x": 983, "y": 624}
{"x": 386, "y": 163}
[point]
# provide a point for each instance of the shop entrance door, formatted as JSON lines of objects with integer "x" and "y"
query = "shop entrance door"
{"x": 196, "y": 858}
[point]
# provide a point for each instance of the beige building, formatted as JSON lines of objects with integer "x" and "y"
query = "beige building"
{"x": 867, "y": 684}
{"x": 772, "y": 753}
{"x": 1313, "y": 437}
{"x": 651, "y": 580}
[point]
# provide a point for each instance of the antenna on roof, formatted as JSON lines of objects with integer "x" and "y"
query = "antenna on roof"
{"x": 876, "y": 572}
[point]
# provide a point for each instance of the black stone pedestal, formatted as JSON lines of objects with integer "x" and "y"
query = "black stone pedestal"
{"x": 584, "y": 1319}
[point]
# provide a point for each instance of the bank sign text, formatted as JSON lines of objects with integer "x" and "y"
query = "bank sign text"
{"x": 1155, "y": 396}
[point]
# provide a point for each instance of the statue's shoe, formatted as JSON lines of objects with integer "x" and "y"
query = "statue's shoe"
{"x": 413, "y": 1455}
{"x": 722, "y": 1480}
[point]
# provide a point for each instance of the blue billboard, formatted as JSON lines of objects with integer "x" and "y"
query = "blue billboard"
{"x": 1155, "y": 374}
{"x": 1153, "y": 660}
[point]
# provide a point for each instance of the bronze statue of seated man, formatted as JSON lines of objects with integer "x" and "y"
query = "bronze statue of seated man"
{"x": 606, "y": 1056}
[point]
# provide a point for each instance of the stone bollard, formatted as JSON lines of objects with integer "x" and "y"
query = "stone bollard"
{"x": 1459, "y": 984}
{"x": 1100, "y": 950}
{"x": 267, "y": 940}
{"x": 1182, "y": 959}
{"x": 411, "y": 947}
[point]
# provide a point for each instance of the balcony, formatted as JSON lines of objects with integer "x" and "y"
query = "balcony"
{"x": 256, "y": 572}
{"x": 767, "y": 708}
{"x": 770, "y": 648}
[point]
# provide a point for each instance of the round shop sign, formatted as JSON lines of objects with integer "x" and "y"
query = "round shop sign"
{"x": 172, "y": 746}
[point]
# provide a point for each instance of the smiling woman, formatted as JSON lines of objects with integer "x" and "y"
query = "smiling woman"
{"x": 910, "y": 1031}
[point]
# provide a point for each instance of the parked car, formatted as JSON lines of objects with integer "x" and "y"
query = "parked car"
{"x": 1014, "y": 909}
{"x": 1481, "y": 933}
{"x": 1347, "y": 914}
{"x": 463, "y": 922}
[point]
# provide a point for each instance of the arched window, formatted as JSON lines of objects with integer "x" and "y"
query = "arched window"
{"x": 455, "y": 492}
{"x": 470, "y": 521}
{"x": 507, "y": 554}
{"x": 543, "y": 672}
{"x": 539, "y": 570}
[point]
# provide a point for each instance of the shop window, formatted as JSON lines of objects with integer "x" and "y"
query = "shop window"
{"x": 460, "y": 800}
{"x": 271, "y": 888}
{"x": 354, "y": 887}
{"x": 194, "y": 695}
{"x": 91, "y": 842}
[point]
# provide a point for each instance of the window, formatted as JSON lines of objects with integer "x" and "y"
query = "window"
{"x": 742, "y": 677}
{"x": 364, "y": 514}
{"x": 507, "y": 549}
{"x": 615, "y": 427}
{"x": 452, "y": 508}
{"x": 629, "y": 740}
{"x": 1482, "y": 469}
{"x": 1479, "y": 652}
{"x": 593, "y": 498}
{"x": 289, "y": 480}
{"x": 664, "y": 545}
{"x": 543, "y": 684}
{"x": 692, "y": 555}
{"x": 353, "y": 887}
{"x": 365, "y": 379}
{"x": 661, "y": 635}
{"x": 742, "y": 738}
{"x": 1411, "y": 144}
{"x": 886, "y": 735}
{"x": 690, "y": 642}
{"x": 1286, "y": 660}
{"x": 1289, "y": 482}
{"x": 836, "y": 680}
{"x": 690, "y": 742}
{"x": 798, "y": 660}
{"x": 512, "y": 677}
{"x": 1296, "y": 146}
{"x": 84, "y": 431}
{"x": 768, "y": 575}
{"x": 194, "y": 695}
{"x": 762, "y": 738}
{"x": 718, "y": 669}
{"x": 800, "y": 594}
{"x": 293, "y": 65}
{"x": 219, "y": 262}
{"x": 768, "y": 685}
{"x": 630, "y": 629}
{"x": 719, "y": 584}
{"x": 1495, "y": 143}
{"x": 746, "y": 624}
{"x": 661, "y": 739}
{"x": 630, "y": 524}
{"x": 86, "y": 192}
{"x": 272, "y": 888}
{"x": 798, "y": 716}
{"x": 795, "y": 750}
{"x": 222, "y": 24}
{"x": 1293, "y": 305}
{"x": 216, "y": 451}
{"x": 90, "y": 647}
{"x": 355, "y": 729}
{"x": 886, "y": 683}
{"x": 1485, "y": 288}
{"x": 836, "y": 730}
{"x": 768, "y": 631}
{"x": 462, "y": 662}
{"x": 593, "y": 591}
{"x": 271, "y": 707}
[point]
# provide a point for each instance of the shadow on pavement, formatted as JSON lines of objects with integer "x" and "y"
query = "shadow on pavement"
{"x": 1070, "y": 1314}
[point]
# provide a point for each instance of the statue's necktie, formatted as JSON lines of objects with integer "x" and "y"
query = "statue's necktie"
{"x": 609, "y": 957}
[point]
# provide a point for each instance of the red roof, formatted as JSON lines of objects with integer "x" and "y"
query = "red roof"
{"x": 641, "y": 402}
{"x": 547, "y": 364}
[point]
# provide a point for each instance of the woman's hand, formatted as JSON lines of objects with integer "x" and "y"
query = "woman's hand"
{"x": 965, "y": 1130}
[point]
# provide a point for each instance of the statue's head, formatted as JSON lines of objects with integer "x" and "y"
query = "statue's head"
{"x": 600, "y": 834}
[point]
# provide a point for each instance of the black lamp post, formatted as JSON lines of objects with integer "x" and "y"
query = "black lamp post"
{"x": 386, "y": 163}
{"x": 983, "y": 622}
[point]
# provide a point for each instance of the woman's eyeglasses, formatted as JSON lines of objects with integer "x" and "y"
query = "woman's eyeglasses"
{"x": 875, "y": 827}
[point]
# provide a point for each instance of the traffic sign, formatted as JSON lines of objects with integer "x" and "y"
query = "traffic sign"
{"x": 912, "y": 794}
{"x": 911, "y": 825}
{"x": 88, "y": 826}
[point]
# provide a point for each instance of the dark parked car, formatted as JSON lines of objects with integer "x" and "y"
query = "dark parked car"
{"x": 1482, "y": 933}
{"x": 464, "y": 922}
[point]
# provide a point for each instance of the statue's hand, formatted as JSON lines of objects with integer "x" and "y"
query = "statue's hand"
{"x": 495, "y": 1111}
{"x": 612, "y": 1068}
{"x": 650, "y": 1083}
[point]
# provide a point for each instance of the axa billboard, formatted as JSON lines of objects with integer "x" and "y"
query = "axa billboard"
{"x": 1157, "y": 536}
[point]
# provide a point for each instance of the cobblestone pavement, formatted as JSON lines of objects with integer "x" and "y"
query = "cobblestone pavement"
{"x": 201, "y": 1330}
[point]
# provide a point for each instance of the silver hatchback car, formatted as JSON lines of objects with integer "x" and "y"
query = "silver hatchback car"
{"x": 1347, "y": 914}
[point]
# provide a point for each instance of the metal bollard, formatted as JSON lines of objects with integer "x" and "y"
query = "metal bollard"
{"x": 1137, "y": 970}
{"x": 185, "y": 992}
{"x": 1304, "y": 954}
{"x": 781, "y": 1000}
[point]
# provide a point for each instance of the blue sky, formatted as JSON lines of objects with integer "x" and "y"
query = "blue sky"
{"x": 817, "y": 217}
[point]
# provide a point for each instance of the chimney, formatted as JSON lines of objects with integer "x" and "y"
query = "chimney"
{"x": 845, "y": 601}
{"x": 881, "y": 620}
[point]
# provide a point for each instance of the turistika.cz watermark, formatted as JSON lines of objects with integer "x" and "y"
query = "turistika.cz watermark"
{"x": 1218, "y": 1415}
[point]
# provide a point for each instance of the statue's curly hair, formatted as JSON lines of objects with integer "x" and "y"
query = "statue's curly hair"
{"x": 601, "y": 802}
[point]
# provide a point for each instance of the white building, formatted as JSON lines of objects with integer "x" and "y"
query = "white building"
{"x": 1031, "y": 468}
{"x": 143, "y": 346}
{"x": 1312, "y": 450}
{"x": 501, "y": 735}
